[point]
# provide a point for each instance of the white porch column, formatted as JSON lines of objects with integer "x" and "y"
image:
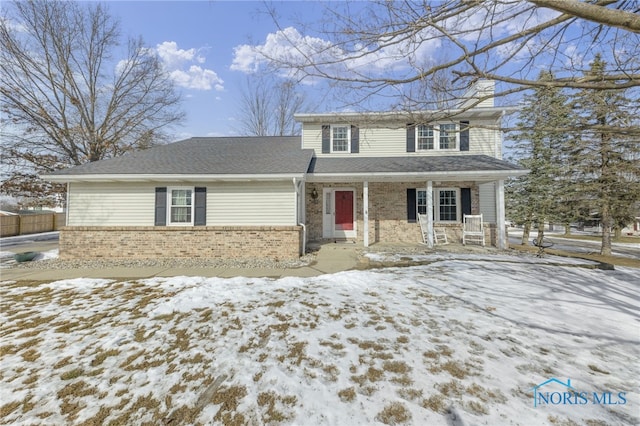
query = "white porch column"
{"x": 430, "y": 214}
{"x": 303, "y": 202}
{"x": 365, "y": 210}
{"x": 501, "y": 235}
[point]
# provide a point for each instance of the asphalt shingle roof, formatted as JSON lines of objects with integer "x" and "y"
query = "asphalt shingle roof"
{"x": 271, "y": 155}
{"x": 414, "y": 164}
{"x": 215, "y": 155}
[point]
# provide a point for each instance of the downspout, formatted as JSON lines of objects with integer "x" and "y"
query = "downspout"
{"x": 304, "y": 238}
{"x": 296, "y": 186}
{"x": 66, "y": 207}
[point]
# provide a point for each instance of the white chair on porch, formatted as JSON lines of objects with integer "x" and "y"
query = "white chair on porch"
{"x": 439, "y": 235}
{"x": 472, "y": 229}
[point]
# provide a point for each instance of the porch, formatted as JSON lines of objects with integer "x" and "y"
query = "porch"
{"x": 383, "y": 212}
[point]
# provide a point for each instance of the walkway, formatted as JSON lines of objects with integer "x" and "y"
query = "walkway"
{"x": 330, "y": 258}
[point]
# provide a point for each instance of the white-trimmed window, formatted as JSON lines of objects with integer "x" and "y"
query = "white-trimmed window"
{"x": 340, "y": 139}
{"x": 443, "y": 136}
{"x": 424, "y": 136}
{"x": 180, "y": 203}
{"x": 446, "y": 204}
{"x": 448, "y": 136}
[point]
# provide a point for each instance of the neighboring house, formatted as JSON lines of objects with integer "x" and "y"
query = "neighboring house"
{"x": 354, "y": 176}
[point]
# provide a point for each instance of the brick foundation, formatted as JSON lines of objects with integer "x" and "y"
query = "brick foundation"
{"x": 217, "y": 242}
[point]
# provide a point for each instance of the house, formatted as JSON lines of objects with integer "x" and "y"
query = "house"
{"x": 359, "y": 176}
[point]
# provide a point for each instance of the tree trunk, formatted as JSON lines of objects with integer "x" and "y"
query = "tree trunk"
{"x": 526, "y": 230}
{"x": 540, "y": 236}
{"x": 605, "y": 250}
{"x": 567, "y": 229}
{"x": 617, "y": 232}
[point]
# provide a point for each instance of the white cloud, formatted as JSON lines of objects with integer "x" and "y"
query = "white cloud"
{"x": 181, "y": 66}
{"x": 289, "y": 47}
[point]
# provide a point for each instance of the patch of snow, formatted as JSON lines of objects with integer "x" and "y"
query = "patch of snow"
{"x": 462, "y": 339}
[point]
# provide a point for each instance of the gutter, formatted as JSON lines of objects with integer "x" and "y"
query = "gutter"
{"x": 169, "y": 177}
{"x": 451, "y": 176}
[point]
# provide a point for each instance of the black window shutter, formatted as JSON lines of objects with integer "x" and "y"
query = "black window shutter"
{"x": 355, "y": 139}
{"x": 465, "y": 202}
{"x": 200, "y": 199}
{"x": 161, "y": 206}
{"x": 464, "y": 136}
{"x": 411, "y": 205}
{"x": 326, "y": 139}
{"x": 411, "y": 138}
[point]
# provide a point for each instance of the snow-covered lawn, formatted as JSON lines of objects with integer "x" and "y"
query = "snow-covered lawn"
{"x": 462, "y": 340}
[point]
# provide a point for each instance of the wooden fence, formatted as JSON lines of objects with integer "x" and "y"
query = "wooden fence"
{"x": 30, "y": 223}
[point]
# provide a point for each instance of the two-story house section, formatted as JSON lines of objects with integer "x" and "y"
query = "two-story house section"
{"x": 373, "y": 173}
{"x": 358, "y": 176}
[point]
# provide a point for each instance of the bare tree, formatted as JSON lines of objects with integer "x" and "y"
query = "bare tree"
{"x": 385, "y": 48}
{"x": 67, "y": 99}
{"x": 267, "y": 106}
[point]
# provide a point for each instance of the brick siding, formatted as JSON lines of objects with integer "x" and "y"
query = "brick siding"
{"x": 388, "y": 212}
{"x": 217, "y": 242}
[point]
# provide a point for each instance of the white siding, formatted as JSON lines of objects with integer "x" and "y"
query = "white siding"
{"x": 133, "y": 204}
{"x": 391, "y": 140}
{"x": 111, "y": 204}
{"x": 312, "y": 137}
{"x": 265, "y": 203}
{"x": 488, "y": 202}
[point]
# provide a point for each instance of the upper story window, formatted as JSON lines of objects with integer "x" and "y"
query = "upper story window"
{"x": 425, "y": 136}
{"x": 340, "y": 139}
{"x": 448, "y": 136}
{"x": 442, "y": 136}
{"x": 180, "y": 210}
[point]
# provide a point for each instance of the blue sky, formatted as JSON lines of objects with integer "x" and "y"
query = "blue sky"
{"x": 197, "y": 41}
{"x": 211, "y": 48}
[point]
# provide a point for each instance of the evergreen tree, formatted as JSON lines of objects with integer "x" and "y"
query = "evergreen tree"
{"x": 604, "y": 155}
{"x": 538, "y": 141}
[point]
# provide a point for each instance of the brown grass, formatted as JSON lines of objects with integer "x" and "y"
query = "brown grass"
{"x": 73, "y": 374}
{"x": 410, "y": 394}
{"x": 229, "y": 397}
{"x": 347, "y": 395}
{"x": 486, "y": 395}
{"x": 102, "y": 355}
{"x": 30, "y": 355}
{"x": 455, "y": 368}
{"x": 394, "y": 413}
{"x": 9, "y": 408}
{"x": 333, "y": 345}
{"x": 268, "y": 401}
{"x": 435, "y": 403}
{"x": 297, "y": 352}
{"x": 452, "y": 389}
{"x": 397, "y": 367}
{"x": 613, "y": 260}
{"x": 441, "y": 350}
{"x": 402, "y": 339}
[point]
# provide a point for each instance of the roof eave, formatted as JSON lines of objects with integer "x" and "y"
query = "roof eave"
{"x": 449, "y": 176}
{"x": 68, "y": 178}
{"x": 482, "y": 112}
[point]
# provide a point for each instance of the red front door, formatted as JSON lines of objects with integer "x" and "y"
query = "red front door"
{"x": 344, "y": 210}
